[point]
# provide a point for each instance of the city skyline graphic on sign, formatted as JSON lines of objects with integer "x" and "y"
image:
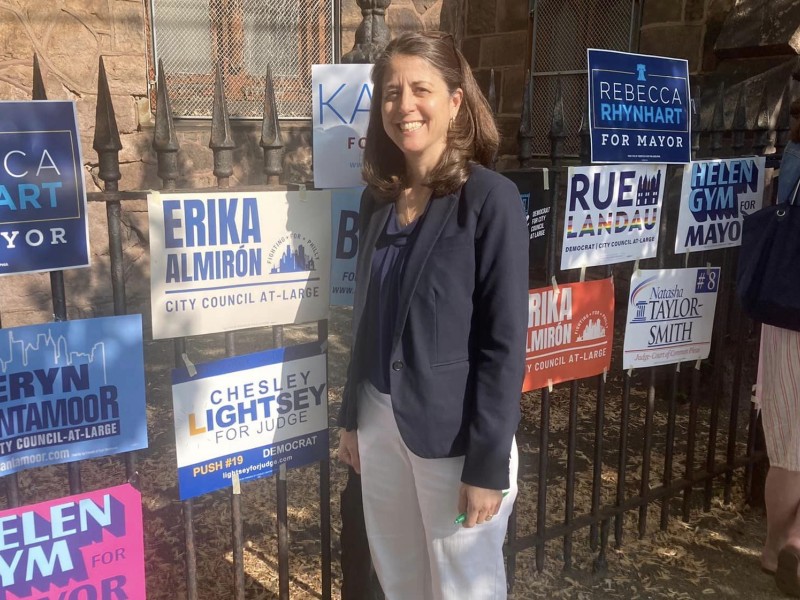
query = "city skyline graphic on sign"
{"x": 293, "y": 261}
{"x": 594, "y": 330}
{"x": 647, "y": 190}
{"x": 57, "y": 353}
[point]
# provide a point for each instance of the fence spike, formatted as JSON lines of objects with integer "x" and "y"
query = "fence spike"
{"x": 762, "y": 138}
{"x": 106, "y": 134}
{"x": 557, "y": 126}
{"x": 271, "y": 132}
{"x": 718, "y": 121}
{"x": 221, "y": 142}
{"x": 525, "y": 132}
{"x": 39, "y": 92}
{"x": 492, "y": 95}
{"x": 585, "y": 152}
{"x": 739, "y": 123}
{"x": 165, "y": 142}
{"x": 695, "y": 121}
{"x": 784, "y": 121}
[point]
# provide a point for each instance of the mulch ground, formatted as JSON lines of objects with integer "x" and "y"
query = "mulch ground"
{"x": 714, "y": 555}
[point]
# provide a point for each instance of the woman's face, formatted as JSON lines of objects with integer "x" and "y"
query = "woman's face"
{"x": 417, "y": 108}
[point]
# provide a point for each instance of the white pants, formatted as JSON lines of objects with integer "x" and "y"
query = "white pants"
{"x": 410, "y": 504}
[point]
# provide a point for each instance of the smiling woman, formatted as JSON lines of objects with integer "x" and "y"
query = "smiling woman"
{"x": 432, "y": 397}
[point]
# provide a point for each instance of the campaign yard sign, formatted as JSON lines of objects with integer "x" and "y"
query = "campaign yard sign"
{"x": 87, "y": 546}
{"x": 715, "y": 197}
{"x": 612, "y": 214}
{"x": 535, "y": 195}
{"x": 670, "y": 316}
{"x": 71, "y": 390}
{"x": 43, "y": 225}
{"x": 221, "y": 261}
{"x": 340, "y": 105}
{"x": 344, "y": 221}
{"x": 570, "y": 332}
{"x": 639, "y": 108}
{"x": 248, "y": 415}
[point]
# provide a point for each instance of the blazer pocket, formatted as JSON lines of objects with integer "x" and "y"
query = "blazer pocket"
{"x": 450, "y": 336}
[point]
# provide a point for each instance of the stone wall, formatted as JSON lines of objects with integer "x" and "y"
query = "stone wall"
{"x": 496, "y": 37}
{"x": 684, "y": 29}
{"x": 69, "y": 37}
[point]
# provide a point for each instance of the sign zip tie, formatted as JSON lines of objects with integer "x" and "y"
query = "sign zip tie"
{"x": 189, "y": 365}
{"x": 237, "y": 488}
{"x": 677, "y": 367}
{"x": 605, "y": 372}
{"x": 323, "y": 346}
{"x": 636, "y": 266}
{"x": 302, "y": 189}
{"x": 630, "y": 371}
{"x": 546, "y": 179}
{"x": 583, "y": 274}
{"x": 697, "y": 364}
{"x": 555, "y": 286}
{"x": 550, "y": 385}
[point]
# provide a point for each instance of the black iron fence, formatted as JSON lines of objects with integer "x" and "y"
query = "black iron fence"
{"x": 709, "y": 441}
{"x": 107, "y": 144}
{"x": 710, "y": 437}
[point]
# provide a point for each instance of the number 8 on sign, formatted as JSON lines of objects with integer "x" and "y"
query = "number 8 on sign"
{"x": 707, "y": 280}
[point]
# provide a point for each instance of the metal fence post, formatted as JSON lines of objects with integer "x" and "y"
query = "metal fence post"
{"x": 108, "y": 145}
{"x": 57, "y": 289}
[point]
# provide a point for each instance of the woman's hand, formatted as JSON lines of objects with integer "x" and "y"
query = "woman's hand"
{"x": 348, "y": 449}
{"x": 479, "y": 504}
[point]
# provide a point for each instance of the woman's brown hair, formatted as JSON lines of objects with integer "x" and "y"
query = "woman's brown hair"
{"x": 472, "y": 137}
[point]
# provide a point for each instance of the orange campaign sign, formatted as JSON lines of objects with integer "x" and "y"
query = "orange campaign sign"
{"x": 570, "y": 329}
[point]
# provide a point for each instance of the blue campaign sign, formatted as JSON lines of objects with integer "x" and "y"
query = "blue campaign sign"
{"x": 71, "y": 390}
{"x": 247, "y": 415}
{"x": 344, "y": 235}
{"x": 639, "y": 108}
{"x": 43, "y": 225}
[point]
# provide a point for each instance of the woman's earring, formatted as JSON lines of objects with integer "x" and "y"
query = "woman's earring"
{"x": 452, "y": 120}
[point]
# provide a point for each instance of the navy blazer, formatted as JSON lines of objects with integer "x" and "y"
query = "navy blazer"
{"x": 458, "y": 353}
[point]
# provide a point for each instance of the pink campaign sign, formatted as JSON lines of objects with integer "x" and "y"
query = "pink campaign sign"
{"x": 83, "y": 547}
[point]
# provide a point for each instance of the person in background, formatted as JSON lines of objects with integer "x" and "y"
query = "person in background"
{"x": 779, "y": 391}
{"x": 431, "y": 403}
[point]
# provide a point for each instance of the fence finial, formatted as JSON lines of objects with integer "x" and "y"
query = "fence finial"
{"x": 585, "y": 151}
{"x": 557, "y": 126}
{"x": 271, "y": 133}
{"x": 525, "y": 132}
{"x": 39, "y": 92}
{"x": 762, "y": 138}
{"x": 106, "y": 134}
{"x": 492, "y": 95}
{"x": 221, "y": 142}
{"x": 372, "y": 34}
{"x": 739, "y": 124}
{"x": 784, "y": 120}
{"x": 165, "y": 142}
{"x": 718, "y": 121}
{"x": 695, "y": 121}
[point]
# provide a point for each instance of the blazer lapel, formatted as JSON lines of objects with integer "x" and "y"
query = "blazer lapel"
{"x": 431, "y": 228}
{"x": 364, "y": 265}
